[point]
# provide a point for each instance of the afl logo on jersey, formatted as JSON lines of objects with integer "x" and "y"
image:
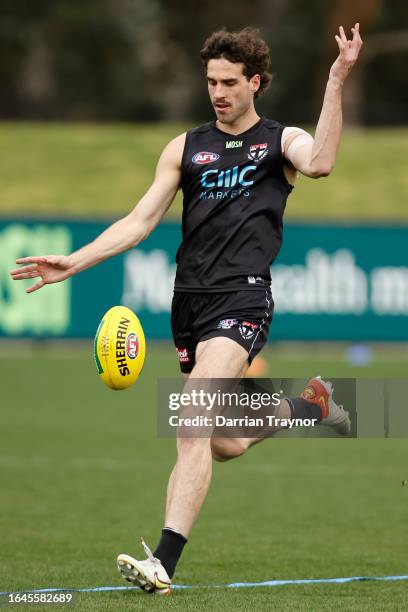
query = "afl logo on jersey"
{"x": 205, "y": 157}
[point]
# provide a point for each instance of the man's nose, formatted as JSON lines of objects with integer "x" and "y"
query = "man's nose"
{"x": 219, "y": 91}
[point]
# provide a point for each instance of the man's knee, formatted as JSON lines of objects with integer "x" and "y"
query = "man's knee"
{"x": 225, "y": 449}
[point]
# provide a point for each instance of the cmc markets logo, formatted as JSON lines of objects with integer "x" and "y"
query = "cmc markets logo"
{"x": 132, "y": 346}
{"x": 227, "y": 178}
{"x": 205, "y": 157}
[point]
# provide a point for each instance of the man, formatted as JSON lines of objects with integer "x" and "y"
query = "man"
{"x": 236, "y": 173}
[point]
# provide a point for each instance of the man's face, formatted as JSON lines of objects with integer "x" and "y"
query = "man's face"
{"x": 230, "y": 91}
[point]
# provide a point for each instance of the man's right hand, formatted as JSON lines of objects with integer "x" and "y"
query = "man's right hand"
{"x": 50, "y": 269}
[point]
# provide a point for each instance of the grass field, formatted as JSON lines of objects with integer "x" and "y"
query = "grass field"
{"x": 83, "y": 475}
{"x": 102, "y": 170}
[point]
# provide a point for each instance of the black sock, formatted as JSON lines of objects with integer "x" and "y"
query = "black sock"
{"x": 169, "y": 549}
{"x": 302, "y": 409}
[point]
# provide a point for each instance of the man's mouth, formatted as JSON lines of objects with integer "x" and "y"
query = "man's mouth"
{"x": 221, "y": 105}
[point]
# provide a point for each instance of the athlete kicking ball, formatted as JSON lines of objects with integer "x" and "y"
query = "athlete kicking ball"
{"x": 236, "y": 173}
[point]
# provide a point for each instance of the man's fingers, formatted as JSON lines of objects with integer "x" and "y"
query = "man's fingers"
{"x": 343, "y": 35}
{"x": 23, "y": 269}
{"x": 339, "y": 42}
{"x": 24, "y": 275}
{"x": 23, "y": 260}
{"x": 356, "y": 35}
{"x": 35, "y": 287}
{"x": 349, "y": 49}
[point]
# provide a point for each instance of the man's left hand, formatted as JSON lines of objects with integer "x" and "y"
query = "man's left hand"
{"x": 348, "y": 53}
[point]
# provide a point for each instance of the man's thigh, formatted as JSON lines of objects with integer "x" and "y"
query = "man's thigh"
{"x": 220, "y": 357}
{"x": 216, "y": 358}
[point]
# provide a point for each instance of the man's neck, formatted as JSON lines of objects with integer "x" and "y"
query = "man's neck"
{"x": 244, "y": 123}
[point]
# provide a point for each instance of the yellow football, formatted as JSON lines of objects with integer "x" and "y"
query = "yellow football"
{"x": 119, "y": 348}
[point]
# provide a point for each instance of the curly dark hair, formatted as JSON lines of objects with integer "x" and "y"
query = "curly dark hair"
{"x": 245, "y": 46}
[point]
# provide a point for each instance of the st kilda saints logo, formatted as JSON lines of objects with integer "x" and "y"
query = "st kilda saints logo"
{"x": 258, "y": 151}
{"x": 247, "y": 329}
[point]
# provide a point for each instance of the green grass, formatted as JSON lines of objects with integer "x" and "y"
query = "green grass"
{"x": 102, "y": 170}
{"x": 301, "y": 360}
{"x": 83, "y": 475}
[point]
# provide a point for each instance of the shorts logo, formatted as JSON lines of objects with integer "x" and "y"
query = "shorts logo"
{"x": 247, "y": 329}
{"x": 182, "y": 354}
{"x": 227, "y": 323}
{"x": 132, "y": 346}
{"x": 205, "y": 157}
{"x": 252, "y": 280}
{"x": 258, "y": 151}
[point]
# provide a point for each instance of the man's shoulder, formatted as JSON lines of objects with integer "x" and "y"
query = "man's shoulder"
{"x": 272, "y": 124}
{"x": 202, "y": 129}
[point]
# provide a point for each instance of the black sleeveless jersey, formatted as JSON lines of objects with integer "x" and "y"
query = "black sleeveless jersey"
{"x": 235, "y": 194}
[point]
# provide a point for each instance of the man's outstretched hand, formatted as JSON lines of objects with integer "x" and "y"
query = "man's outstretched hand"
{"x": 50, "y": 269}
{"x": 348, "y": 53}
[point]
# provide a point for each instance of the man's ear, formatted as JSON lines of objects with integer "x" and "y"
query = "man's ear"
{"x": 255, "y": 83}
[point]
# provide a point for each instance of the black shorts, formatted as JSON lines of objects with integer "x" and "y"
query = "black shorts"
{"x": 243, "y": 316}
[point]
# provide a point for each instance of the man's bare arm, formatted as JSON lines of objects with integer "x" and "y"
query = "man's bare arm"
{"x": 122, "y": 235}
{"x": 317, "y": 158}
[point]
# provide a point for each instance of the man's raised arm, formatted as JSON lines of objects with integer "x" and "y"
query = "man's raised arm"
{"x": 317, "y": 158}
{"x": 122, "y": 235}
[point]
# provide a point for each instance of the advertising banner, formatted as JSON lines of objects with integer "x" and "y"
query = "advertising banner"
{"x": 330, "y": 282}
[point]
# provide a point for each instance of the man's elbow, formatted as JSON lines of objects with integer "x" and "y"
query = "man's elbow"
{"x": 320, "y": 170}
{"x": 144, "y": 230}
{"x": 138, "y": 230}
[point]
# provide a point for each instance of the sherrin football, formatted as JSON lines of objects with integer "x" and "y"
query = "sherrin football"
{"x": 119, "y": 348}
